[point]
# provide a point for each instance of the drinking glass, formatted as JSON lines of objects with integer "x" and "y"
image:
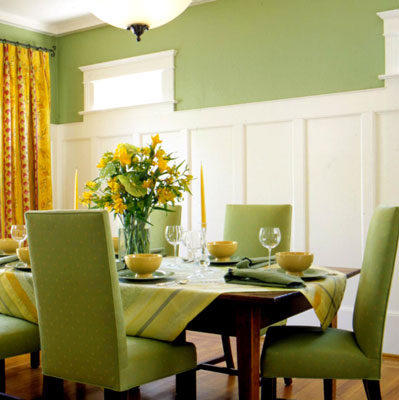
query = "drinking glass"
{"x": 18, "y": 233}
{"x": 174, "y": 236}
{"x": 270, "y": 238}
{"x": 194, "y": 241}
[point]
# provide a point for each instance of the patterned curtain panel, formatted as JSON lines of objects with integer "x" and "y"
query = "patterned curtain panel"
{"x": 25, "y": 153}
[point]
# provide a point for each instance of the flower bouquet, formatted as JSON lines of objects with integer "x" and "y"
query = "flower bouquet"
{"x": 132, "y": 182}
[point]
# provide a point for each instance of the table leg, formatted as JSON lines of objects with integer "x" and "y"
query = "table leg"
{"x": 248, "y": 353}
{"x": 334, "y": 324}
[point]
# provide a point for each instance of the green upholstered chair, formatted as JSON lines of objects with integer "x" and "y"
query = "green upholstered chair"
{"x": 160, "y": 220}
{"x": 82, "y": 329}
{"x": 17, "y": 337}
{"x": 307, "y": 352}
{"x": 242, "y": 224}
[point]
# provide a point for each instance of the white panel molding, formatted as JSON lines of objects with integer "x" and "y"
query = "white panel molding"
{"x": 369, "y": 168}
{"x": 354, "y": 114}
{"x": 239, "y": 164}
{"x": 300, "y": 234}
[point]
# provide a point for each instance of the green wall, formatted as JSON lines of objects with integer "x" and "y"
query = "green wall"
{"x": 235, "y": 51}
{"x": 37, "y": 39}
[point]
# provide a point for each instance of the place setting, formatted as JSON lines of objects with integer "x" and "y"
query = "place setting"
{"x": 12, "y": 253}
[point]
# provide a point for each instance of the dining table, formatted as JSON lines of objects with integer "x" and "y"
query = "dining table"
{"x": 165, "y": 309}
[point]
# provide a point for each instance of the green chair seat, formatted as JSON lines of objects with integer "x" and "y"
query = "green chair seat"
{"x": 308, "y": 352}
{"x": 149, "y": 360}
{"x": 17, "y": 337}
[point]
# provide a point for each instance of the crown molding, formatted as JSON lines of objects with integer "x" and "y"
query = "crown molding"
{"x": 81, "y": 23}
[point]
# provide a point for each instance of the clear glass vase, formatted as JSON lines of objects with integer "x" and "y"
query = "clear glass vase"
{"x": 135, "y": 235}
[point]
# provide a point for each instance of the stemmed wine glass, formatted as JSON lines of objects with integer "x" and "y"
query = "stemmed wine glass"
{"x": 18, "y": 233}
{"x": 270, "y": 238}
{"x": 174, "y": 236}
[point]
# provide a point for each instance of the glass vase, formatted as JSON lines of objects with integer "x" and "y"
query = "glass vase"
{"x": 136, "y": 236}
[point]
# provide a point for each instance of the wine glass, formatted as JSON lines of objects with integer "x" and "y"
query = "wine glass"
{"x": 174, "y": 236}
{"x": 270, "y": 238}
{"x": 18, "y": 233}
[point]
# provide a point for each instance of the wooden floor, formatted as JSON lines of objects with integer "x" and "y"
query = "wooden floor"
{"x": 24, "y": 382}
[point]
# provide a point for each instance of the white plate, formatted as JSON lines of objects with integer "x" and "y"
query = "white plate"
{"x": 131, "y": 276}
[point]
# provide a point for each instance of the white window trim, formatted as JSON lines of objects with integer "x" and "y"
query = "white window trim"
{"x": 164, "y": 61}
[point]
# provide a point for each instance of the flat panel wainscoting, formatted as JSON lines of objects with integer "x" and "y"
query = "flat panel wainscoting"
{"x": 333, "y": 157}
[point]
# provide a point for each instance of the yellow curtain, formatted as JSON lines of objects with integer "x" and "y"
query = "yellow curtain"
{"x": 25, "y": 152}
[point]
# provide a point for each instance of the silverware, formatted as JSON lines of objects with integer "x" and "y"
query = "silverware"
{"x": 173, "y": 283}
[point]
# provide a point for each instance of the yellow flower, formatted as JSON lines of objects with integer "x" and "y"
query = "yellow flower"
{"x": 160, "y": 153}
{"x": 114, "y": 186}
{"x": 155, "y": 140}
{"x": 122, "y": 155}
{"x": 148, "y": 183}
{"x": 169, "y": 180}
{"x": 146, "y": 151}
{"x": 101, "y": 164}
{"x": 162, "y": 164}
{"x": 118, "y": 205}
{"x": 91, "y": 185}
{"x": 86, "y": 199}
{"x": 165, "y": 195}
{"x": 108, "y": 206}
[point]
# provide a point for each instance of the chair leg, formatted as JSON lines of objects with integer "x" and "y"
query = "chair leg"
{"x": 112, "y": 395}
{"x": 53, "y": 388}
{"x": 268, "y": 388}
{"x": 186, "y": 385}
{"x": 372, "y": 389}
{"x": 287, "y": 381}
{"x": 328, "y": 389}
{"x": 35, "y": 359}
{"x": 2, "y": 376}
{"x": 227, "y": 351}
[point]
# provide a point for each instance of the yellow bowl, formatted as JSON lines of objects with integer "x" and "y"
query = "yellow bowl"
{"x": 143, "y": 264}
{"x": 115, "y": 242}
{"x": 222, "y": 250}
{"x": 23, "y": 255}
{"x": 8, "y": 245}
{"x": 294, "y": 262}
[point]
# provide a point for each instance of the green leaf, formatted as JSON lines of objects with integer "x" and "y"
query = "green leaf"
{"x": 131, "y": 187}
{"x": 108, "y": 171}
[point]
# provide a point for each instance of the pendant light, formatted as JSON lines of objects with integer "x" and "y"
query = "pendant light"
{"x": 138, "y": 15}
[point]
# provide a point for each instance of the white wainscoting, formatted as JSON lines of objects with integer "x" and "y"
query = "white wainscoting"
{"x": 333, "y": 157}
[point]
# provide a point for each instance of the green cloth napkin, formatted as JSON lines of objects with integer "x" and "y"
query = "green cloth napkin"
{"x": 262, "y": 278}
{"x": 7, "y": 259}
{"x": 255, "y": 262}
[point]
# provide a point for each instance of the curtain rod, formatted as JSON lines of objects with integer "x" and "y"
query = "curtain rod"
{"x": 30, "y": 46}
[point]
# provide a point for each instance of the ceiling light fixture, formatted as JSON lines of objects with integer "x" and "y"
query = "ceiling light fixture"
{"x": 138, "y": 15}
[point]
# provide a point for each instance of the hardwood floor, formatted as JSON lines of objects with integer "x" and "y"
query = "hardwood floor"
{"x": 24, "y": 382}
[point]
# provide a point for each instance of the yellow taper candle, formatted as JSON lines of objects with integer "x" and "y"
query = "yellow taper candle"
{"x": 203, "y": 209}
{"x": 76, "y": 198}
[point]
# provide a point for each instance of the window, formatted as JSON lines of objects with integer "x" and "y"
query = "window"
{"x": 137, "y": 81}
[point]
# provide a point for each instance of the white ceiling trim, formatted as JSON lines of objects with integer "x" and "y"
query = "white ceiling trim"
{"x": 77, "y": 24}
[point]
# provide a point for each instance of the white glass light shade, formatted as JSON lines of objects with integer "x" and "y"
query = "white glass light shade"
{"x": 124, "y": 13}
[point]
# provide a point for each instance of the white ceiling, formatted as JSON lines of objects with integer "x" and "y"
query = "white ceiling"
{"x": 54, "y": 17}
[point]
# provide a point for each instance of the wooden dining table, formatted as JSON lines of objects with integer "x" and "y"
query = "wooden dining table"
{"x": 242, "y": 315}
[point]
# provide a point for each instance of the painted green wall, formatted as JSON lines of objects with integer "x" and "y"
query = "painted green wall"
{"x": 238, "y": 51}
{"x": 37, "y": 39}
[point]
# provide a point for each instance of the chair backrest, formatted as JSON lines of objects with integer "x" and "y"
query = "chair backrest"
{"x": 375, "y": 280}
{"x": 160, "y": 220}
{"x": 243, "y": 222}
{"x": 82, "y": 329}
